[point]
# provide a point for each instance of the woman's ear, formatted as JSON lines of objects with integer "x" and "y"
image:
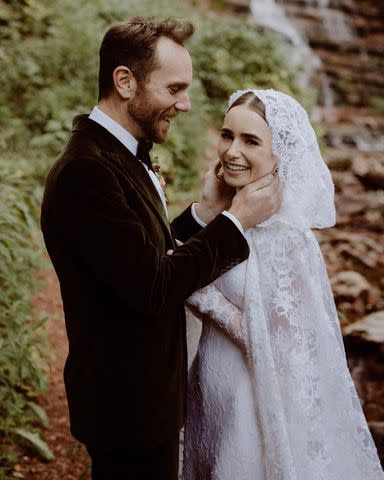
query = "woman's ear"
{"x": 275, "y": 169}
{"x": 124, "y": 81}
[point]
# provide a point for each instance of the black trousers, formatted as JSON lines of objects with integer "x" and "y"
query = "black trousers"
{"x": 160, "y": 463}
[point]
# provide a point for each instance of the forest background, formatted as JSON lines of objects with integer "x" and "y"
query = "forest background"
{"x": 48, "y": 74}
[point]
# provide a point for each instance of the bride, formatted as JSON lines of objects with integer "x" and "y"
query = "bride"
{"x": 270, "y": 394}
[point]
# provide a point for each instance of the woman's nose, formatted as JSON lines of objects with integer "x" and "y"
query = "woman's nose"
{"x": 234, "y": 150}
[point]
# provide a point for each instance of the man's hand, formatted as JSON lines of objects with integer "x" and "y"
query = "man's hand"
{"x": 217, "y": 195}
{"x": 257, "y": 201}
{"x": 178, "y": 244}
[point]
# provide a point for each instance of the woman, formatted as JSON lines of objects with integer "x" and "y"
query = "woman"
{"x": 270, "y": 394}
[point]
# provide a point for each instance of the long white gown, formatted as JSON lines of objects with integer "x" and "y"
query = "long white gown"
{"x": 298, "y": 416}
{"x": 270, "y": 394}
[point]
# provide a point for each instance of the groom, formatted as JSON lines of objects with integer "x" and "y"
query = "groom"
{"x": 106, "y": 229}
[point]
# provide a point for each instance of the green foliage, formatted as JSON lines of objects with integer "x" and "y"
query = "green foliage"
{"x": 59, "y": 66}
{"x": 36, "y": 442}
{"x": 377, "y": 103}
{"x": 21, "y": 358}
{"x": 233, "y": 55}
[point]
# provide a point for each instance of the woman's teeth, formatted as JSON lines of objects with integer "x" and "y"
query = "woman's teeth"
{"x": 236, "y": 168}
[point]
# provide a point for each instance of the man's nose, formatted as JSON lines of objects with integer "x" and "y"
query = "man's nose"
{"x": 183, "y": 104}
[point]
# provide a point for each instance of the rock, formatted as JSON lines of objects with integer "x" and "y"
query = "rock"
{"x": 347, "y": 36}
{"x": 377, "y": 430}
{"x": 347, "y": 183}
{"x": 364, "y": 250}
{"x": 370, "y": 328}
{"x": 370, "y": 170}
{"x": 238, "y": 6}
{"x": 374, "y": 199}
{"x": 367, "y": 250}
{"x": 347, "y": 206}
{"x": 349, "y": 285}
{"x": 353, "y": 292}
{"x": 338, "y": 159}
{"x": 375, "y": 412}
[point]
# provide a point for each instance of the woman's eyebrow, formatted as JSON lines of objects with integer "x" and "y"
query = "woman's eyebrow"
{"x": 251, "y": 135}
{"x": 244, "y": 135}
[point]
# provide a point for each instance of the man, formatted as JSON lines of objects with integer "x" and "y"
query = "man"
{"x": 106, "y": 230}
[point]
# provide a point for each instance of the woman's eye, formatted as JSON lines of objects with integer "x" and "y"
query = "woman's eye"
{"x": 173, "y": 90}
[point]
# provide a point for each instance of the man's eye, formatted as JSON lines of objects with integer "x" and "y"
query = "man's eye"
{"x": 250, "y": 141}
{"x": 226, "y": 136}
{"x": 173, "y": 90}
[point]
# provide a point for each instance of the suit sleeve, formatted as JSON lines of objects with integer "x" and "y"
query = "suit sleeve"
{"x": 185, "y": 226}
{"x": 109, "y": 238}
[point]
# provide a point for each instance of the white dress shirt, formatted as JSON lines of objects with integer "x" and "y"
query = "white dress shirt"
{"x": 227, "y": 214}
{"x": 131, "y": 144}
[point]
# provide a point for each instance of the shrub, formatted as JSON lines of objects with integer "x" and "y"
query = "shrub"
{"x": 233, "y": 55}
{"x": 21, "y": 377}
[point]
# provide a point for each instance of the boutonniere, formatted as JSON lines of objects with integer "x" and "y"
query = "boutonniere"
{"x": 157, "y": 168}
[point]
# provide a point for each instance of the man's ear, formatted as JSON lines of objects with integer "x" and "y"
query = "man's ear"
{"x": 124, "y": 81}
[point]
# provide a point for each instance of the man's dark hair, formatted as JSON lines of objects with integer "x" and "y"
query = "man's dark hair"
{"x": 133, "y": 44}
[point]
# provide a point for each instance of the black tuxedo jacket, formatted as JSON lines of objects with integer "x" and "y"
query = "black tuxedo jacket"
{"x": 107, "y": 235}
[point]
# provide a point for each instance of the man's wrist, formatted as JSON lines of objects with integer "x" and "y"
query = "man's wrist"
{"x": 233, "y": 211}
{"x": 234, "y": 220}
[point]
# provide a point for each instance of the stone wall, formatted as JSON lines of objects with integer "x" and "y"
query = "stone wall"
{"x": 348, "y": 36}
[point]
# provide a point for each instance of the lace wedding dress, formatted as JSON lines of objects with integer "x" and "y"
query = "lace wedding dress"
{"x": 270, "y": 394}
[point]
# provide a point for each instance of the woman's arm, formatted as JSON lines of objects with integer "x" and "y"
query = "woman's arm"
{"x": 209, "y": 304}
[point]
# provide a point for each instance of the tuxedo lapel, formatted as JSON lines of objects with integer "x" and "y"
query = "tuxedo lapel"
{"x": 145, "y": 187}
{"x": 128, "y": 164}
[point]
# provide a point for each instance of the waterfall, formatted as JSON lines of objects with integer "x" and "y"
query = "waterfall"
{"x": 268, "y": 14}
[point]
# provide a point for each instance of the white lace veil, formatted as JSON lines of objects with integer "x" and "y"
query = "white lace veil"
{"x": 308, "y": 187}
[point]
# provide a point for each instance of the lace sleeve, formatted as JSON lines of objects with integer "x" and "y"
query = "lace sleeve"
{"x": 209, "y": 304}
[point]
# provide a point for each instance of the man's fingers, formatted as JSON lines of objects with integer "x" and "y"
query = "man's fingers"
{"x": 178, "y": 243}
{"x": 217, "y": 166}
{"x": 260, "y": 183}
{"x": 276, "y": 185}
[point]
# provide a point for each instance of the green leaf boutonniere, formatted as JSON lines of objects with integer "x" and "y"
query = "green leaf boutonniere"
{"x": 157, "y": 168}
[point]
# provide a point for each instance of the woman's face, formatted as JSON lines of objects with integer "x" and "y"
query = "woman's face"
{"x": 245, "y": 147}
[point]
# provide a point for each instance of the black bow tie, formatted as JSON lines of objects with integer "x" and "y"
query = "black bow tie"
{"x": 143, "y": 149}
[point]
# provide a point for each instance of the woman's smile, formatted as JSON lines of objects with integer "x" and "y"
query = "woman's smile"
{"x": 235, "y": 168}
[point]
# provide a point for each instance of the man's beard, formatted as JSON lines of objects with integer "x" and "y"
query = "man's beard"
{"x": 147, "y": 116}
